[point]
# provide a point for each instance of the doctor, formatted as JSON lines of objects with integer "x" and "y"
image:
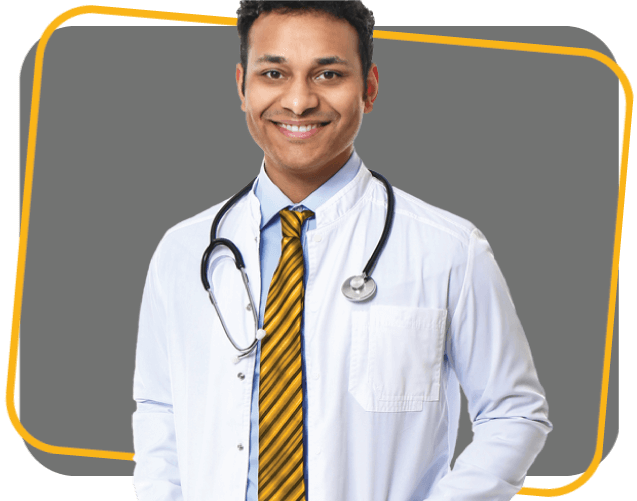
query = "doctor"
{"x": 340, "y": 401}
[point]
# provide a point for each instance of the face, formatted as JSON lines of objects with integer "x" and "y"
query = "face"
{"x": 304, "y": 93}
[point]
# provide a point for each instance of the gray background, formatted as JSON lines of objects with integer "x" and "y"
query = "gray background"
{"x": 141, "y": 128}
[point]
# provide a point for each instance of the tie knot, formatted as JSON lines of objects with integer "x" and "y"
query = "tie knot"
{"x": 291, "y": 222}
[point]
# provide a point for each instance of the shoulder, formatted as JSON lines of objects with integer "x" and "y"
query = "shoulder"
{"x": 195, "y": 222}
{"x": 422, "y": 217}
{"x": 194, "y": 232}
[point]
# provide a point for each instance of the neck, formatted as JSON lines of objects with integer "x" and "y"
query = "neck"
{"x": 298, "y": 188}
{"x": 297, "y": 184}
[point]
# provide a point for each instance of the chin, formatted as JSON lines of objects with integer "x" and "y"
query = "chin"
{"x": 297, "y": 165}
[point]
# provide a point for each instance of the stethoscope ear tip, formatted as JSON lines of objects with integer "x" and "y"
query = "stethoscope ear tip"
{"x": 261, "y": 334}
{"x": 235, "y": 360}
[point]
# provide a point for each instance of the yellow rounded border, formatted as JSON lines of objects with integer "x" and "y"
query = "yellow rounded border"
{"x": 388, "y": 35}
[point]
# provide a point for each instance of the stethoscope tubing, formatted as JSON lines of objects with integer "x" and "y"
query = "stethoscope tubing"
{"x": 389, "y": 220}
{"x": 215, "y": 242}
{"x": 361, "y": 292}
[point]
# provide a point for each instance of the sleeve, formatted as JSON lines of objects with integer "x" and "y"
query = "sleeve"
{"x": 490, "y": 355}
{"x": 156, "y": 475}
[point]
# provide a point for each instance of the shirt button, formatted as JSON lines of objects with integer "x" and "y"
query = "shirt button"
{"x": 318, "y": 237}
{"x": 241, "y": 376}
{"x": 240, "y": 447}
{"x": 316, "y": 375}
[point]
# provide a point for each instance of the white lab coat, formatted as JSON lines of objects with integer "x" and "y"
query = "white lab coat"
{"x": 382, "y": 376}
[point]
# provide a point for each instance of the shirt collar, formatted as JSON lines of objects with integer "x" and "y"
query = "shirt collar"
{"x": 272, "y": 199}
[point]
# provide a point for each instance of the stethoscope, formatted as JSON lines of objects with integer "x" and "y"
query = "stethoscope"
{"x": 358, "y": 288}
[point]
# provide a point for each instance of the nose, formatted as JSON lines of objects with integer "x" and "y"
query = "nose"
{"x": 299, "y": 96}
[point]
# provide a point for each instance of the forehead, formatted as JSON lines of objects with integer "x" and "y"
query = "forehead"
{"x": 300, "y": 36}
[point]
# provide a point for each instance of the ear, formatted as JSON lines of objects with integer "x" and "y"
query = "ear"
{"x": 239, "y": 77}
{"x": 372, "y": 88}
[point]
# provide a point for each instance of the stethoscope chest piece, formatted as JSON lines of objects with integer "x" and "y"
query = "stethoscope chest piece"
{"x": 359, "y": 288}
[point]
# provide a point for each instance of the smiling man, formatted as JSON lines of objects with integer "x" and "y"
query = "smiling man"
{"x": 290, "y": 390}
{"x": 304, "y": 96}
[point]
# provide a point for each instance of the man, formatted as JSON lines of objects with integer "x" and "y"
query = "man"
{"x": 340, "y": 400}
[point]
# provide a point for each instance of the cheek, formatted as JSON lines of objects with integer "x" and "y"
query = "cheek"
{"x": 350, "y": 104}
{"x": 253, "y": 116}
{"x": 354, "y": 115}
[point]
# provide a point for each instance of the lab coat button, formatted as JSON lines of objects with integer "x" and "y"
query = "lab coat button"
{"x": 316, "y": 375}
{"x": 318, "y": 237}
{"x": 240, "y": 447}
{"x": 248, "y": 307}
{"x": 241, "y": 376}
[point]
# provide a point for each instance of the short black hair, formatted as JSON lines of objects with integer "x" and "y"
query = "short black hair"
{"x": 352, "y": 11}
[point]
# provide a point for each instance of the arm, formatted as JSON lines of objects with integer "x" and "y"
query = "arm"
{"x": 489, "y": 352}
{"x": 156, "y": 475}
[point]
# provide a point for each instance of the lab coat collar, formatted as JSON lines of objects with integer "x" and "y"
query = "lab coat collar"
{"x": 255, "y": 211}
{"x": 345, "y": 199}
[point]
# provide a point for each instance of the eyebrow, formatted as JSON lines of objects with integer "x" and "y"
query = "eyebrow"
{"x": 321, "y": 61}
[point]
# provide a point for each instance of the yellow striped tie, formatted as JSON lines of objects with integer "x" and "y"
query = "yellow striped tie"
{"x": 280, "y": 392}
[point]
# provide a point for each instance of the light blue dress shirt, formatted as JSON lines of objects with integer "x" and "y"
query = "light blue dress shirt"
{"x": 272, "y": 200}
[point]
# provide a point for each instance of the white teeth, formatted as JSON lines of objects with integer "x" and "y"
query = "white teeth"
{"x": 296, "y": 128}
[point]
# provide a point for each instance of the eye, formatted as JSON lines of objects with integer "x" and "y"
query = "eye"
{"x": 272, "y": 71}
{"x": 328, "y": 75}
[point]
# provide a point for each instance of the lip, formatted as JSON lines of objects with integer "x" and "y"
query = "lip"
{"x": 298, "y": 135}
{"x": 299, "y": 123}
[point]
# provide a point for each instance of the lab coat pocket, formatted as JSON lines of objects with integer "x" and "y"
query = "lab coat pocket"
{"x": 396, "y": 357}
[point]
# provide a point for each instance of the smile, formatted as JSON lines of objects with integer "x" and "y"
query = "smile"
{"x": 300, "y": 132}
